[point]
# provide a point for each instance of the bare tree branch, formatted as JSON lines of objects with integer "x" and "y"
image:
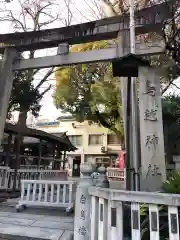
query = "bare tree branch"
{"x": 44, "y": 79}
{"x": 176, "y": 86}
{"x": 167, "y": 86}
{"x": 69, "y": 12}
{"x": 35, "y": 15}
{"x": 45, "y": 91}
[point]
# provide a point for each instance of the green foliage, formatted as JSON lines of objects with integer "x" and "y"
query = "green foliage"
{"x": 89, "y": 92}
{"x": 171, "y": 123}
{"x": 24, "y": 97}
{"x": 172, "y": 185}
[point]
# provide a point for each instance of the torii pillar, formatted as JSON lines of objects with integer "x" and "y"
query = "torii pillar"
{"x": 6, "y": 81}
{"x": 151, "y": 170}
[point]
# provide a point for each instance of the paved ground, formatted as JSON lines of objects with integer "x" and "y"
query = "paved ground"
{"x": 39, "y": 224}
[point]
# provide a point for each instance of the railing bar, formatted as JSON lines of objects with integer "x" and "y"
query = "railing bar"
{"x": 102, "y": 223}
{"x": 119, "y": 221}
{"x": 110, "y": 231}
{"x": 46, "y": 192}
{"x": 52, "y": 192}
{"x": 64, "y": 193}
{"x": 34, "y": 192}
{"x": 70, "y": 193}
{"x": 154, "y": 222}
{"x": 58, "y": 193}
{"x": 28, "y": 191}
{"x": 7, "y": 180}
{"x": 115, "y": 221}
{"x": 22, "y": 190}
{"x": 40, "y": 192}
{"x": 94, "y": 217}
{"x": 135, "y": 221}
{"x": 173, "y": 222}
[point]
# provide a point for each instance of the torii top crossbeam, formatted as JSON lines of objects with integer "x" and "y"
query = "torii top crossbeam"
{"x": 149, "y": 19}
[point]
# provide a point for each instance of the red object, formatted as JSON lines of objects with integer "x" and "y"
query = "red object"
{"x": 121, "y": 159}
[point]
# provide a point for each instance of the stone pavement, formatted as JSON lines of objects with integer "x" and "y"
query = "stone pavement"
{"x": 34, "y": 224}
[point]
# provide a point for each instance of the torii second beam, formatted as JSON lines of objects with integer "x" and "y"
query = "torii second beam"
{"x": 100, "y": 55}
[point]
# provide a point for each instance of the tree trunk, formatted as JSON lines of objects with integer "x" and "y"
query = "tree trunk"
{"x": 17, "y": 166}
{"x": 21, "y": 124}
{"x": 22, "y": 119}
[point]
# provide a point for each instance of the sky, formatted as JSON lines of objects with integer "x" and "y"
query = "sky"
{"x": 81, "y": 13}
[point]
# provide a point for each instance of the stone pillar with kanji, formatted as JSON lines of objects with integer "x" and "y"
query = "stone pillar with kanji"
{"x": 153, "y": 170}
{"x": 83, "y": 204}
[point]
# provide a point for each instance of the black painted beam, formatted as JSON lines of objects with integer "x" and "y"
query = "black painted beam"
{"x": 147, "y": 20}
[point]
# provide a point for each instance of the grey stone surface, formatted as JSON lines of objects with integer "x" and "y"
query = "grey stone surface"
{"x": 67, "y": 235}
{"x": 31, "y": 232}
{"x": 16, "y": 221}
{"x": 53, "y": 225}
{"x": 35, "y": 224}
{"x": 153, "y": 170}
{"x": 4, "y": 214}
{"x": 25, "y": 216}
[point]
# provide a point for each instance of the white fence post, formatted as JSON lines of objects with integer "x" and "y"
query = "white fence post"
{"x": 83, "y": 204}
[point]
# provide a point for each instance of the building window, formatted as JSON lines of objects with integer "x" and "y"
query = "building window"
{"x": 102, "y": 162}
{"x": 95, "y": 139}
{"x": 113, "y": 139}
{"x": 76, "y": 140}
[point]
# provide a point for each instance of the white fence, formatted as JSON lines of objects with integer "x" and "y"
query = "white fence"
{"x": 46, "y": 193}
{"x": 7, "y": 176}
{"x": 33, "y": 167}
{"x": 116, "y": 178}
{"x": 116, "y": 174}
{"x": 108, "y": 207}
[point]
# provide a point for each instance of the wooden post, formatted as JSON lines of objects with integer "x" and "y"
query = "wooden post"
{"x": 6, "y": 81}
{"x": 40, "y": 154}
{"x": 8, "y": 150}
{"x": 54, "y": 162}
{"x": 18, "y": 145}
{"x": 64, "y": 159}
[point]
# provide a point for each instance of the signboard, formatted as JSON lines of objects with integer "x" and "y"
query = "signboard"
{"x": 48, "y": 124}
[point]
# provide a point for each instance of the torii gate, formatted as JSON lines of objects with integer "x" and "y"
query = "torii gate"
{"x": 147, "y": 20}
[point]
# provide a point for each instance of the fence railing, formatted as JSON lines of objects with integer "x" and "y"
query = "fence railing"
{"x": 33, "y": 167}
{"x": 47, "y": 193}
{"x": 116, "y": 214}
{"x": 116, "y": 178}
{"x": 116, "y": 174}
{"x": 7, "y": 176}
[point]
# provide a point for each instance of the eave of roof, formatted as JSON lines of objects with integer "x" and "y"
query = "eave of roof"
{"x": 39, "y": 134}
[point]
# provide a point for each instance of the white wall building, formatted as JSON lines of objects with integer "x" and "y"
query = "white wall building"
{"x": 95, "y": 144}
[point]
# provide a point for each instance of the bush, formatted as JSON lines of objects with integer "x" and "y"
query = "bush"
{"x": 172, "y": 184}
